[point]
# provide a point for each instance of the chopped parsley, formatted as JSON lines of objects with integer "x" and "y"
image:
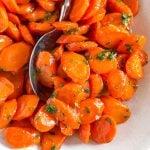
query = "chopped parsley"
{"x": 61, "y": 85}
{"x": 38, "y": 70}
{"x": 108, "y": 120}
{"x": 85, "y": 61}
{"x": 87, "y": 110}
{"x": 88, "y": 57}
{"x": 37, "y": 117}
{"x": 53, "y": 95}
{"x": 71, "y": 31}
{"x": 112, "y": 55}
{"x": 53, "y": 148}
{"x": 48, "y": 15}
{"x": 125, "y": 19}
{"x": 101, "y": 56}
{"x": 86, "y": 90}
{"x": 129, "y": 47}
{"x": 51, "y": 109}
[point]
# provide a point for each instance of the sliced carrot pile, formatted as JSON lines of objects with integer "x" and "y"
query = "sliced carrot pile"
{"x": 93, "y": 69}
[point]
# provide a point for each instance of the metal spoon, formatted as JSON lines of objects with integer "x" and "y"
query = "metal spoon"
{"x": 46, "y": 42}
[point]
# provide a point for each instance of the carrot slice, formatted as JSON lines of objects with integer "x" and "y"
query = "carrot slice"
{"x": 122, "y": 59}
{"x": 17, "y": 80}
{"x": 90, "y": 110}
{"x": 3, "y": 18}
{"x": 16, "y": 59}
{"x": 7, "y": 111}
{"x": 58, "y": 82}
{"x": 133, "y": 5}
{"x": 13, "y": 31}
{"x": 21, "y": 137}
{"x": 92, "y": 9}
{"x": 75, "y": 66}
{"x": 103, "y": 130}
{"x": 47, "y": 5}
{"x": 6, "y": 89}
{"x": 116, "y": 82}
{"x": 85, "y": 132}
{"x": 26, "y": 9}
{"x": 52, "y": 140}
{"x": 64, "y": 113}
{"x": 22, "y": 1}
{"x": 40, "y": 27}
{"x": 11, "y": 5}
{"x": 96, "y": 85}
{"x": 46, "y": 68}
{"x": 65, "y": 25}
{"x": 43, "y": 121}
{"x": 110, "y": 36}
{"x": 117, "y": 110}
{"x": 81, "y": 46}
{"x": 64, "y": 39}
{"x": 134, "y": 67}
{"x": 66, "y": 130}
{"x": 71, "y": 93}
{"x": 5, "y": 41}
{"x": 26, "y": 104}
{"x": 26, "y": 34}
{"x": 101, "y": 61}
{"x": 78, "y": 10}
{"x": 14, "y": 19}
{"x": 57, "y": 52}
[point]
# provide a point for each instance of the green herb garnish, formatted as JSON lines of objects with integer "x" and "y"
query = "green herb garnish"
{"x": 38, "y": 70}
{"x": 53, "y": 148}
{"x": 87, "y": 110}
{"x": 125, "y": 19}
{"x": 108, "y": 120}
{"x": 71, "y": 31}
{"x": 61, "y": 85}
{"x": 86, "y": 90}
{"x": 51, "y": 109}
{"x": 129, "y": 48}
{"x": 85, "y": 61}
{"x": 112, "y": 55}
{"x": 53, "y": 95}
{"x": 88, "y": 57}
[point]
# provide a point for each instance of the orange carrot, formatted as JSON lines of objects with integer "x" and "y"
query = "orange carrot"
{"x": 103, "y": 130}
{"x": 22, "y": 1}
{"x": 7, "y": 111}
{"x": 14, "y": 19}
{"x": 75, "y": 66}
{"x": 66, "y": 130}
{"x": 26, "y": 104}
{"x": 58, "y": 82}
{"x": 57, "y": 52}
{"x": 85, "y": 132}
{"x": 90, "y": 110}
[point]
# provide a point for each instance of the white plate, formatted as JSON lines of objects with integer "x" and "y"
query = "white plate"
{"x": 134, "y": 134}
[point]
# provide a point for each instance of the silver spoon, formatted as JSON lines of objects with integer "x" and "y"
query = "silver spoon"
{"x": 46, "y": 42}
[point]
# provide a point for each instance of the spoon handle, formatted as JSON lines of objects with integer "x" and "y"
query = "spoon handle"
{"x": 65, "y": 10}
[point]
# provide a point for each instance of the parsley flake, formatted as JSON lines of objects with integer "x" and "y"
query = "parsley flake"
{"x": 71, "y": 31}
{"x": 129, "y": 48}
{"x": 53, "y": 95}
{"x": 53, "y": 148}
{"x": 112, "y": 55}
{"x": 85, "y": 61}
{"x": 86, "y": 90}
{"x": 125, "y": 19}
{"x": 51, "y": 109}
{"x": 87, "y": 110}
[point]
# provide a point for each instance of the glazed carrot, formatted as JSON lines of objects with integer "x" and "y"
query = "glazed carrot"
{"x": 81, "y": 46}
{"x": 78, "y": 10}
{"x": 65, "y": 25}
{"x": 116, "y": 82}
{"x": 26, "y": 34}
{"x": 90, "y": 110}
{"x": 96, "y": 85}
{"x": 96, "y": 18}
{"x": 129, "y": 90}
{"x": 117, "y": 110}
{"x": 13, "y": 31}
{"x": 85, "y": 132}
{"x": 52, "y": 17}
{"x": 26, "y": 105}
{"x": 3, "y": 18}
{"x": 58, "y": 82}
{"x": 122, "y": 58}
{"x": 71, "y": 93}
{"x": 110, "y": 36}
{"x": 43, "y": 121}
{"x": 133, "y": 5}
{"x": 21, "y": 137}
{"x": 5, "y": 41}
{"x": 22, "y": 1}
{"x": 40, "y": 28}
{"x": 103, "y": 3}
{"x": 61, "y": 73}
{"x": 6, "y": 89}
{"x": 64, "y": 113}
{"x": 66, "y": 130}
{"x": 47, "y": 5}
{"x": 52, "y": 140}
{"x": 26, "y": 9}
{"x": 119, "y": 6}
{"x": 57, "y": 52}
{"x": 14, "y": 19}
{"x": 102, "y": 61}
{"x": 75, "y": 66}
{"x": 17, "y": 80}
{"x": 134, "y": 67}
{"x": 16, "y": 59}
{"x": 83, "y": 29}
{"x": 92, "y": 9}
{"x": 7, "y": 111}
{"x": 11, "y": 5}
{"x": 64, "y": 39}
{"x": 103, "y": 130}
{"x": 46, "y": 68}
{"x": 28, "y": 87}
